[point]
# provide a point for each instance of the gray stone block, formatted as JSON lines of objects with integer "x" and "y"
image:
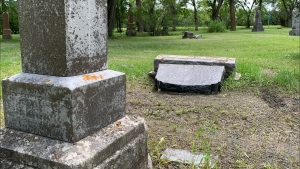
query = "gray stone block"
{"x": 228, "y": 63}
{"x": 187, "y": 34}
{"x": 64, "y": 108}
{"x": 120, "y": 145}
{"x": 186, "y": 157}
{"x": 63, "y": 38}
{"x": 295, "y": 23}
{"x": 190, "y": 78}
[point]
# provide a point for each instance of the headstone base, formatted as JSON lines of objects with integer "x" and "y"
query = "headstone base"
{"x": 294, "y": 32}
{"x": 6, "y": 37}
{"x": 64, "y": 108}
{"x": 130, "y": 32}
{"x": 258, "y": 28}
{"x": 122, "y": 144}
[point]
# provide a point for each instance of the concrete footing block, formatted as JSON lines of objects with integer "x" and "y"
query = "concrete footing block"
{"x": 121, "y": 145}
{"x": 64, "y": 108}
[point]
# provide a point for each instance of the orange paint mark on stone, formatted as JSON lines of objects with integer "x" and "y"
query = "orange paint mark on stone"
{"x": 91, "y": 77}
{"x": 162, "y": 59}
{"x": 118, "y": 123}
{"x": 47, "y": 80}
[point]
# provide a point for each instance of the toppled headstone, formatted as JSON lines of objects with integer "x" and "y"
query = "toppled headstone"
{"x": 228, "y": 63}
{"x": 186, "y": 157}
{"x": 295, "y": 23}
{"x": 257, "y": 27}
{"x": 6, "y": 29}
{"x": 188, "y": 34}
{"x": 189, "y": 78}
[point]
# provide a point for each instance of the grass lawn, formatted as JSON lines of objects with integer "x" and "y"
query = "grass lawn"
{"x": 252, "y": 123}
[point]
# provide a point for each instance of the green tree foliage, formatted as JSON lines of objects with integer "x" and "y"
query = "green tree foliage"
{"x": 121, "y": 13}
{"x": 285, "y": 9}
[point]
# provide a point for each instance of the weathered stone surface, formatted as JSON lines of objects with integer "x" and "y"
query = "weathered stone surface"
{"x": 189, "y": 78}
{"x": 295, "y": 23}
{"x": 63, "y": 38}
{"x": 257, "y": 27}
{"x": 187, "y": 34}
{"x": 120, "y": 145}
{"x": 228, "y": 63}
{"x": 186, "y": 157}
{"x": 6, "y": 29}
{"x": 64, "y": 108}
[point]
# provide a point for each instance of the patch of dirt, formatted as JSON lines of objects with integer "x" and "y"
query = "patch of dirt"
{"x": 243, "y": 129}
{"x": 271, "y": 98}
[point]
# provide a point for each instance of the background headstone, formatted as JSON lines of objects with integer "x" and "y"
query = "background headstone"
{"x": 257, "y": 27}
{"x": 6, "y": 29}
{"x": 130, "y": 25}
{"x": 295, "y": 23}
{"x": 187, "y": 34}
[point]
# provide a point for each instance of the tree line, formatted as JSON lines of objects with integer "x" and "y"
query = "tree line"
{"x": 157, "y": 17}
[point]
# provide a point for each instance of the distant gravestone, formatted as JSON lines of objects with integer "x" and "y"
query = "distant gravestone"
{"x": 188, "y": 34}
{"x": 73, "y": 106}
{"x": 257, "y": 27}
{"x": 6, "y": 29}
{"x": 295, "y": 23}
{"x": 130, "y": 25}
{"x": 190, "y": 78}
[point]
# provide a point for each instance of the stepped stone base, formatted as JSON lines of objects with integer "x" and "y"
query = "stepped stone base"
{"x": 6, "y": 37}
{"x": 294, "y": 32}
{"x": 190, "y": 78}
{"x": 122, "y": 145}
{"x": 64, "y": 108}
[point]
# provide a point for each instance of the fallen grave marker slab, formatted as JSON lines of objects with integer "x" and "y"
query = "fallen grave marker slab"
{"x": 189, "y": 78}
{"x": 228, "y": 63}
{"x": 186, "y": 157}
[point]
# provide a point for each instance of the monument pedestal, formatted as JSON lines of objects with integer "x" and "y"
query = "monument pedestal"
{"x": 122, "y": 144}
{"x": 64, "y": 108}
{"x": 6, "y": 34}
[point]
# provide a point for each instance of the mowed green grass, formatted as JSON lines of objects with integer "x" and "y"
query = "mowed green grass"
{"x": 255, "y": 52}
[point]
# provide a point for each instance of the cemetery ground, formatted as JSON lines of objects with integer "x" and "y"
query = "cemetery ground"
{"x": 253, "y": 123}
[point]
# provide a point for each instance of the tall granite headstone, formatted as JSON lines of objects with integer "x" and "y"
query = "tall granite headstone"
{"x": 130, "y": 25}
{"x": 257, "y": 27}
{"x": 295, "y": 23}
{"x": 6, "y": 29}
{"x": 67, "y": 110}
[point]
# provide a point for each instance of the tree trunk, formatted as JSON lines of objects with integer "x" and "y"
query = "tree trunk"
{"x": 248, "y": 21}
{"x": 139, "y": 21}
{"x": 195, "y": 15}
{"x": 111, "y": 10}
{"x": 216, "y": 9}
{"x": 232, "y": 16}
